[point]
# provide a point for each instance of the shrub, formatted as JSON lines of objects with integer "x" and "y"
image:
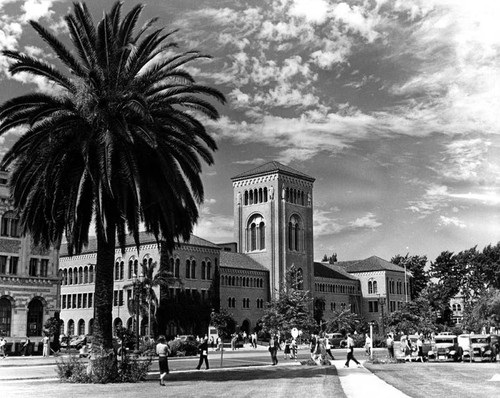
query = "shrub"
{"x": 183, "y": 348}
{"x": 104, "y": 369}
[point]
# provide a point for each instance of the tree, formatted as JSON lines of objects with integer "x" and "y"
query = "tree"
{"x": 414, "y": 316}
{"x": 416, "y": 266}
{"x": 214, "y": 290}
{"x": 147, "y": 285}
{"x": 52, "y": 327}
{"x": 117, "y": 141}
{"x": 485, "y": 312}
{"x": 319, "y": 309}
{"x": 224, "y": 322}
{"x": 344, "y": 321}
{"x": 291, "y": 308}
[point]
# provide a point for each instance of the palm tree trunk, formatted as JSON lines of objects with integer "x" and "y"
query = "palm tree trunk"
{"x": 103, "y": 303}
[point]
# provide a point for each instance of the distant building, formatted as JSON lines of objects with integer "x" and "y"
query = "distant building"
{"x": 29, "y": 285}
{"x": 384, "y": 287}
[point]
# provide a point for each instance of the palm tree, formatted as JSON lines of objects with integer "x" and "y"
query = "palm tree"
{"x": 118, "y": 141}
{"x": 147, "y": 285}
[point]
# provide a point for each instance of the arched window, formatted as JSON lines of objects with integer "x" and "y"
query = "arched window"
{"x": 295, "y": 233}
{"x": 203, "y": 270}
{"x": 177, "y": 273}
{"x": 256, "y": 229}
{"x": 375, "y": 287}
{"x": 35, "y": 318}
{"x": 122, "y": 270}
{"x": 86, "y": 274}
{"x": 130, "y": 268}
{"x": 70, "y": 331}
{"x": 10, "y": 225}
{"x": 209, "y": 270}
{"x": 246, "y": 198}
{"x": 171, "y": 265}
{"x": 370, "y": 287}
{"x": 65, "y": 277}
{"x": 81, "y": 327}
{"x": 91, "y": 274}
{"x": 70, "y": 276}
{"x": 193, "y": 269}
{"x": 117, "y": 270}
{"x": 5, "y": 316}
{"x": 188, "y": 268}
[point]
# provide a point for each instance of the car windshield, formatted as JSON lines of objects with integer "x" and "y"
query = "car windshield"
{"x": 479, "y": 340}
{"x": 441, "y": 341}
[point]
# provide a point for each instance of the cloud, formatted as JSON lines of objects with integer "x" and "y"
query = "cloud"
{"x": 312, "y": 11}
{"x": 368, "y": 221}
{"x": 36, "y": 9}
{"x": 451, "y": 221}
{"x": 214, "y": 227}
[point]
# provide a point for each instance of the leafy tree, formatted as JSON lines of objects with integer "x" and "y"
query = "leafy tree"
{"x": 52, "y": 327}
{"x": 331, "y": 260}
{"x": 117, "y": 141}
{"x": 414, "y": 316}
{"x": 344, "y": 322}
{"x": 319, "y": 309}
{"x": 224, "y": 321}
{"x": 291, "y": 308}
{"x": 416, "y": 266}
{"x": 485, "y": 312}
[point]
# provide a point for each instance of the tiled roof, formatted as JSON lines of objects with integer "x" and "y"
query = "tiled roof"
{"x": 326, "y": 270}
{"x": 144, "y": 238}
{"x": 270, "y": 168}
{"x": 239, "y": 260}
{"x": 373, "y": 263}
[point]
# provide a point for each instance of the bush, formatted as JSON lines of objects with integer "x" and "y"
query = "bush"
{"x": 104, "y": 369}
{"x": 181, "y": 348}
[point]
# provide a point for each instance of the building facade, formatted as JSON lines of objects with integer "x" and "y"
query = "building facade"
{"x": 29, "y": 284}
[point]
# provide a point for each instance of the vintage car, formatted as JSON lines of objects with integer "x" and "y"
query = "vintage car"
{"x": 445, "y": 347}
{"x": 336, "y": 340}
{"x": 483, "y": 348}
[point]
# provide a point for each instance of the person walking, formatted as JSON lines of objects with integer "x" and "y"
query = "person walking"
{"x": 368, "y": 344}
{"x": 273, "y": 349}
{"x": 286, "y": 351}
{"x": 420, "y": 348}
{"x": 350, "y": 351}
{"x": 203, "y": 349}
{"x": 163, "y": 350}
{"x": 254, "y": 339}
{"x": 2, "y": 347}
{"x": 293, "y": 349}
{"x": 389, "y": 342}
{"x": 328, "y": 347}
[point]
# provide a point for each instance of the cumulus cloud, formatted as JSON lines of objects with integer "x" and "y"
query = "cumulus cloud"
{"x": 368, "y": 221}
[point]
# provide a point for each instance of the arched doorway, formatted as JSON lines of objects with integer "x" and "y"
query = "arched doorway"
{"x": 35, "y": 318}
{"x": 5, "y": 316}
{"x": 91, "y": 327}
{"x": 116, "y": 324}
{"x": 71, "y": 328}
{"x": 245, "y": 326}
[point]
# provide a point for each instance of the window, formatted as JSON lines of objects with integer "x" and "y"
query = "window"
{"x": 91, "y": 296}
{"x": 193, "y": 269}
{"x": 79, "y": 300}
{"x": 203, "y": 269}
{"x": 3, "y": 264}
{"x": 177, "y": 273}
{"x": 84, "y": 302}
{"x": 63, "y": 301}
{"x": 120, "y": 297}
{"x": 188, "y": 269}
{"x": 370, "y": 287}
{"x": 209, "y": 270}
{"x": 74, "y": 300}
{"x": 295, "y": 234}
{"x": 13, "y": 265}
{"x": 256, "y": 233}
{"x": 69, "y": 300}
{"x": 32, "y": 267}
{"x": 372, "y": 306}
{"x": 5, "y": 316}
{"x": 375, "y": 287}
{"x": 10, "y": 225}
{"x": 44, "y": 267}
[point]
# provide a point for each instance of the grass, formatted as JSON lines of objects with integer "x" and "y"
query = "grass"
{"x": 440, "y": 379}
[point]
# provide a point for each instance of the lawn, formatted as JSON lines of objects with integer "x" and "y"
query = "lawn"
{"x": 441, "y": 379}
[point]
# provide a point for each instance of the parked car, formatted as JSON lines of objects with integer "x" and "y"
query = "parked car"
{"x": 336, "y": 340}
{"x": 446, "y": 347}
{"x": 483, "y": 347}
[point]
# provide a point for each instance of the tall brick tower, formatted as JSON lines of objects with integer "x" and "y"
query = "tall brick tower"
{"x": 273, "y": 220}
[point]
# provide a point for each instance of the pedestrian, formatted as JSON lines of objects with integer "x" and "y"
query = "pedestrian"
{"x": 293, "y": 349}
{"x": 203, "y": 349}
{"x": 163, "y": 350}
{"x": 273, "y": 349}
{"x": 26, "y": 348}
{"x": 405, "y": 347}
{"x": 420, "y": 348}
{"x": 312, "y": 346}
{"x": 389, "y": 342}
{"x": 328, "y": 347}
{"x": 350, "y": 351}
{"x": 45, "y": 341}
{"x": 368, "y": 344}
{"x": 254, "y": 339}
{"x": 286, "y": 351}
{"x": 2, "y": 347}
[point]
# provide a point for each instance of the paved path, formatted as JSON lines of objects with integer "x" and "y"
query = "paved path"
{"x": 360, "y": 382}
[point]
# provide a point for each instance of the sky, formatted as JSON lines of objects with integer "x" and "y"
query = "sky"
{"x": 393, "y": 106}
